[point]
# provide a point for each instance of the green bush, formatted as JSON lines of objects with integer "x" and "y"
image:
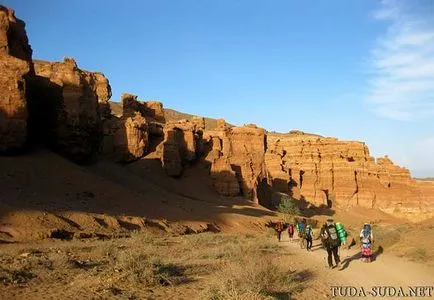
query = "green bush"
{"x": 288, "y": 207}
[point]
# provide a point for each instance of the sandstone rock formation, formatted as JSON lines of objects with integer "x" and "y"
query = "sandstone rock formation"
{"x": 67, "y": 108}
{"x": 125, "y": 138}
{"x": 151, "y": 110}
{"x": 332, "y": 173}
{"x": 171, "y": 153}
{"x": 128, "y": 132}
{"x": 237, "y": 152}
{"x": 182, "y": 144}
{"x": 225, "y": 180}
{"x": 65, "y": 104}
{"x": 15, "y": 65}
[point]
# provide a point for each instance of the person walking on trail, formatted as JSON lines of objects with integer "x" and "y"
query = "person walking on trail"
{"x": 331, "y": 242}
{"x": 366, "y": 241}
{"x": 301, "y": 228}
{"x": 309, "y": 237}
{"x": 291, "y": 231}
{"x": 279, "y": 229}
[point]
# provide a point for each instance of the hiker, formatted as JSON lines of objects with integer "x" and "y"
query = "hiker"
{"x": 301, "y": 226}
{"x": 309, "y": 237}
{"x": 366, "y": 241}
{"x": 279, "y": 229}
{"x": 331, "y": 242}
{"x": 291, "y": 231}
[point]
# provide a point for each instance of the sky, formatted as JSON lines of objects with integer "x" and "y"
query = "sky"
{"x": 356, "y": 70}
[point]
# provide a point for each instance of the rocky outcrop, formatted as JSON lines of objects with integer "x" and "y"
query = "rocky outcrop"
{"x": 15, "y": 65}
{"x": 127, "y": 132}
{"x": 332, "y": 173}
{"x": 237, "y": 152}
{"x": 171, "y": 153}
{"x": 224, "y": 179}
{"x": 125, "y": 138}
{"x": 182, "y": 145}
{"x": 151, "y": 110}
{"x": 65, "y": 104}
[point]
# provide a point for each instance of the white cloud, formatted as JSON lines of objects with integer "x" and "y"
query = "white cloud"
{"x": 402, "y": 86}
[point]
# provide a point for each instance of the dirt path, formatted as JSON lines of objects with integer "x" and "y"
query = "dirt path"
{"x": 387, "y": 270}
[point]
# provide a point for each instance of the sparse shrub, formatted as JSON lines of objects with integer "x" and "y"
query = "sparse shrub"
{"x": 15, "y": 276}
{"x": 288, "y": 207}
{"x": 252, "y": 276}
{"x": 419, "y": 254}
{"x": 140, "y": 268}
{"x": 136, "y": 267}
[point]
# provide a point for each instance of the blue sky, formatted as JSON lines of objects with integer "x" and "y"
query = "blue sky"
{"x": 356, "y": 70}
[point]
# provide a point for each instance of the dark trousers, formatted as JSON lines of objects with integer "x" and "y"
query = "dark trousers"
{"x": 309, "y": 242}
{"x": 333, "y": 251}
{"x": 279, "y": 234}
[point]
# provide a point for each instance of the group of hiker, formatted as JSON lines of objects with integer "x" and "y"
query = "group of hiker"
{"x": 332, "y": 235}
{"x": 303, "y": 229}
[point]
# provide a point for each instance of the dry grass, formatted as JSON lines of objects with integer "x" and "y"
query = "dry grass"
{"x": 201, "y": 266}
{"x": 419, "y": 254}
{"x": 252, "y": 276}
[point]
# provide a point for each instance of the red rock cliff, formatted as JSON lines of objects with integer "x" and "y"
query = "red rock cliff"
{"x": 65, "y": 106}
{"x": 15, "y": 65}
{"x": 333, "y": 173}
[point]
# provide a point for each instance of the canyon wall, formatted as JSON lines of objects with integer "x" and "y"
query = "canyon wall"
{"x": 15, "y": 66}
{"x": 236, "y": 155}
{"x": 65, "y": 104}
{"x": 332, "y": 173}
{"x": 56, "y": 104}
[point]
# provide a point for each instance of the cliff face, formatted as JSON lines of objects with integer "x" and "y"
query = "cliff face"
{"x": 247, "y": 161}
{"x": 333, "y": 173}
{"x": 15, "y": 65}
{"x": 236, "y": 155}
{"x": 65, "y": 106}
{"x": 60, "y": 105}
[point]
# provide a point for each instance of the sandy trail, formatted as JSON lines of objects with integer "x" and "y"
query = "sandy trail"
{"x": 386, "y": 270}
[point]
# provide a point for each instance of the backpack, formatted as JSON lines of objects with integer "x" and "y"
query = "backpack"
{"x": 291, "y": 228}
{"x": 366, "y": 234}
{"x": 279, "y": 226}
{"x": 300, "y": 227}
{"x": 308, "y": 231}
{"x": 332, "y": 233}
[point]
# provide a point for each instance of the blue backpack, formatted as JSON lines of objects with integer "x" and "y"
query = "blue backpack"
{"x": 301, "y": 227}
{"x": 366, "y": 234}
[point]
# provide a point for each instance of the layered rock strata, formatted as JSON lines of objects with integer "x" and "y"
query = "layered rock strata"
{"x": 15, "y": 66}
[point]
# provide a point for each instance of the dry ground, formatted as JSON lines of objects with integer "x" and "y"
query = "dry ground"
{"x": 145, "y": 266}
{"x": 198, "y": 266}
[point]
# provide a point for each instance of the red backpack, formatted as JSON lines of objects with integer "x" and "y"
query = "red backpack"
{"x": 279, "y": 226}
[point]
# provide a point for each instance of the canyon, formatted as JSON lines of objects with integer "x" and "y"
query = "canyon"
{"x": 60, "y": 107}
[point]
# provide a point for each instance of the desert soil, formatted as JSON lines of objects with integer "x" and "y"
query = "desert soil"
{"x": 387, "y": 270}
